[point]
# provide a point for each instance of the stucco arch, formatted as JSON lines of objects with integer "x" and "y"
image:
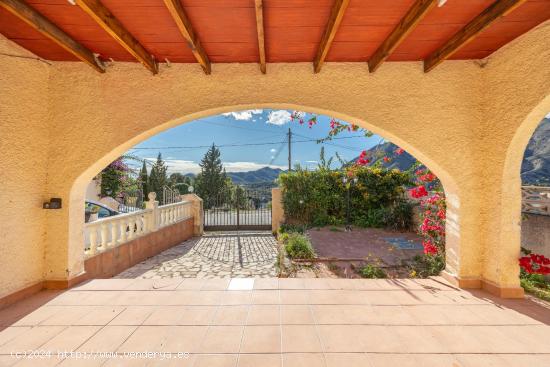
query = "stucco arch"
{"x": 510, "y": 220}
{"x": 78, "y": 188}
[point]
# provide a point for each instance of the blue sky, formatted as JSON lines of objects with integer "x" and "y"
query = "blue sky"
{"x": 181, "y": 145}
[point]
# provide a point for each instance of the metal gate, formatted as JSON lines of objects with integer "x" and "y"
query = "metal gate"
{"x": 238, "y": 208}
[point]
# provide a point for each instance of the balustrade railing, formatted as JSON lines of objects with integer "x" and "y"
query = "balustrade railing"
{"x": 113, "y": 231}
{"x": 535, "y": 200}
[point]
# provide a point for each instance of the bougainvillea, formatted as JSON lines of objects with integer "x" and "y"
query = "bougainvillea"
{"x": 427, "y": 189}
{"x": 535, "y": 264}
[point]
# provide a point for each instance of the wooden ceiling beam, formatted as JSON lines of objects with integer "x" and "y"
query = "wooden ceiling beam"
{"x": 498, "y": 9}
{"x": 107, "y": 21}
{"x": 405, "y": 26}
{"x": 184, "y": 25}
{"x": 260, "y": 28}
{"x": 336, "y": 15}
{"x": 49, "y": 29}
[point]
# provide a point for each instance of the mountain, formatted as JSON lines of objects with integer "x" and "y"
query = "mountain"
{"x": 265, "y": 174}
{"x": 535, "y": 169}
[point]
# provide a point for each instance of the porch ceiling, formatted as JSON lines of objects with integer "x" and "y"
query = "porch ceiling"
{"x": 293, "y": 30}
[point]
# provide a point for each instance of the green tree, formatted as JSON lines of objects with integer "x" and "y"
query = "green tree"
{"x": 180, "y": 182}
{"x": 158, "y": 177}
{"x": 212, "y": 180}
{"x": 144, "y": 180}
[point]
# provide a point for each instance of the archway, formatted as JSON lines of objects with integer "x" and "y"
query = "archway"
{"x": 453, "y": 226}
{"x": 511, "y": 197}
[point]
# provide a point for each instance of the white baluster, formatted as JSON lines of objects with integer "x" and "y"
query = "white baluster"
{"x": 122, "y": 226}
{"x": 93, "y": 240}
{"x": 104, "y": 234}
{"x": 131, "y": 228}
{"x": 114, "y": 233}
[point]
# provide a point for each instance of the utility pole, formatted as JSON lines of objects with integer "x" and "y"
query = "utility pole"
{"x": 289, "y": 150}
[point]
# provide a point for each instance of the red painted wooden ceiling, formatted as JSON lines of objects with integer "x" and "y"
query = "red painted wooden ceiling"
{"x": 293, "y": 29}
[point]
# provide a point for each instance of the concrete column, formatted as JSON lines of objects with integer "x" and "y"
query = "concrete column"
{"x": 198, "y": 213}
{"x": 153, "y": 204}
{"x": 277, "y": 210}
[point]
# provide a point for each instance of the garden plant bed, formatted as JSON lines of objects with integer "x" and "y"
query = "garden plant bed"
{"x": 342, "y": 253}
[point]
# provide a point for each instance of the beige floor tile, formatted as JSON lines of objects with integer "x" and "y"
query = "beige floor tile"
{"x": 381, "y": 339}
{"x": 318, "y": 283}
{"x": 200, "y": 298}
{"x": 264, "y": 315}
{"x": 8, "y": 360}
{"x": 133, "y": 315}
{"x": 296, "y": 314}
{"x": 100, "y": 315}
{"x": 261, "y": 339}
{"x": 303, "y": 359}
{"x": 184, "y": 339}
{"x": 293, "y": 297}
{"x": 38, "y": 316}
{"x": 391, "y": 360}
{"x": 409, "y": 336}
{"x": 44, "y": 361}
{"x": 12, "y": 332}
{"x": 215, "y": 360}
{"x": 72, "y": 362}
{"x": 380, "y": 298}
{"x": 300, "y": 338}
{"x": 237, "y": 298}
{"x": 104, "y": 284}
{"x": 291, "y": 283}
{"x": 260, "y": 360}
{"x": 346, "y": 359}
{"x": 69, "y": 315}
{"x": 71, "y": 338}
{"x": 336, "y": 297}
{"x": 154, "y": 284}
{"x": 108, "y": 339}
{"x": 215, "y": 284}
{"x": 231, "y": 315}
{"x": 474, "y": 360}
{"x": 222, "y": 339}
{"x": 266, "y": 283}
{"x": 181, "y": 315}
{"x": 343, "y": 314}
{"x": 525, "y": 360}
{"x": 191, "y": 284}
{"x": 146, "y": 338}
{"x": 31, "y": 338}
{"x": 342, "y": 338}
{"x": 393, "y": 315}
{"x": 270, "y": 297}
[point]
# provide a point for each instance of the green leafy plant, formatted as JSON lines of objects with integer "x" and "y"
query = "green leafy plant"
{"x": 372, "y": 272}
{"x": 298, "y": 246}
{"x": 427, "y": 265}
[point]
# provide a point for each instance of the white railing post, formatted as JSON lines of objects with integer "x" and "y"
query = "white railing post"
{"x": 153, "y": 205}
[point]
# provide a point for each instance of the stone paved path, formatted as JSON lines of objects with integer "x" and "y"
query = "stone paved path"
{"x": 214, "y": 255}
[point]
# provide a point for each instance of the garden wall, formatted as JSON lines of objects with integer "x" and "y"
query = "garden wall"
{"x": 114, "y": 261}
{"x": 535, "y": 233}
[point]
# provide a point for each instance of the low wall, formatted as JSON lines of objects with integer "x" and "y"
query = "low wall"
{"x": 120, "y": 258}
{"x": 535, "y": 233}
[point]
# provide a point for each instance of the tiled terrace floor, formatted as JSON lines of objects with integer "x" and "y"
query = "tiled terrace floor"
{"x": 280, "y": 322}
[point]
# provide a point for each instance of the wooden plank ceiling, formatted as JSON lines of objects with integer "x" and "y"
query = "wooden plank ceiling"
{"x": 234, "y": 31}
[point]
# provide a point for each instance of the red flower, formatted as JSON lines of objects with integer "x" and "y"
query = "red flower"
{"x": 419, "y": 172}
{"x": 399, "y": 151}
{"x": 418, "y": 192}
{"x": 429, "y": 247}
{"x": 387, "y": 159}
{"x": 535, "y": 264}
{"x": 428, "y": 177}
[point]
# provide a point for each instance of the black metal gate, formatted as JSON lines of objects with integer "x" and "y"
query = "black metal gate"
{"x": 239, "y": 208}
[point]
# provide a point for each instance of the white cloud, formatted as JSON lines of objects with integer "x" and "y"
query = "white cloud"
{"x": 242, "y": 115}
{"x": 314, "y": 162}
{"x": 183, "y": 166}
{"x": 273, "y": 150}
{"x": 278, "y": 117}
{"x": 547, "y": 116}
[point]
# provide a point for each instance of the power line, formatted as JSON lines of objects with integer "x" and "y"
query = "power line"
{"x": 247, "y": 144}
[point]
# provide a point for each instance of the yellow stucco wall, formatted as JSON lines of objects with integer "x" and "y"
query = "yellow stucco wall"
{"x": 24, "y": 114}
{"x": 446, "y": 118}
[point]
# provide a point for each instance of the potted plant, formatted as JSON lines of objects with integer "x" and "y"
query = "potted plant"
{"x": 91, "y": 213}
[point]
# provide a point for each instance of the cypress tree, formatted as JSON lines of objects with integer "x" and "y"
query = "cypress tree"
{"x": 144, "y": 180}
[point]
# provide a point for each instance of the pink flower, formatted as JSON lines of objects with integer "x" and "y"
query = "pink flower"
{"x": 399, "y": 151}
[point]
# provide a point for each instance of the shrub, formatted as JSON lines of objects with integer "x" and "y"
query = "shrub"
{"x": 400, "y": 216}
{"x": 320, "y": 197}
{"x": 372, "y": 272}
{"x": 290, "y": 228}
{"x": 298, "y": 246}
{"x": 427, "y": 265}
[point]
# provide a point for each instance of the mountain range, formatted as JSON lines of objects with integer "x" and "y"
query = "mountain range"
{"x": 535, "y": 169}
